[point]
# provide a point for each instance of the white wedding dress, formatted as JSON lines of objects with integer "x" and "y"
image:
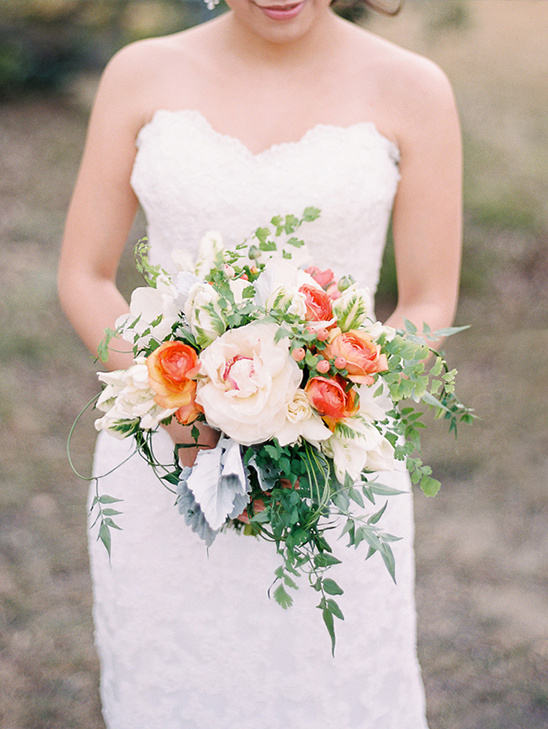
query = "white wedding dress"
{"x": 191, "y": 640}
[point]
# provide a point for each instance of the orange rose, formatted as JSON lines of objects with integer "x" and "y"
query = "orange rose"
{"x": 318, "y": 303}
{"x": 187, "y": 414}
{"x": 171, "y": 368}
{"x": 329, "y": 398}
{"x": 362, "y": 355}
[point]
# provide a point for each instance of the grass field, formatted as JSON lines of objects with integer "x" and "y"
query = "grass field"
{"x": 482, "y": 544}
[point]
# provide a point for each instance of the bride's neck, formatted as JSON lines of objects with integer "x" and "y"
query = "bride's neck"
{"x": 250, "y": 47}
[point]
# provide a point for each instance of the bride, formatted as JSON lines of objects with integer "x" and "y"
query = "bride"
{"x": 265, "y": 110}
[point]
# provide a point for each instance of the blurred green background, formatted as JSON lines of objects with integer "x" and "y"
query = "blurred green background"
{"x": 482, "y": 544}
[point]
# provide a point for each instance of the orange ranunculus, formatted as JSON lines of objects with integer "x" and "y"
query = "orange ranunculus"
{"x": 330, "y": 399}
{"x": 318, "y": 303}
{"x": 363, "y": 356}
{"x": 171, "y": 369}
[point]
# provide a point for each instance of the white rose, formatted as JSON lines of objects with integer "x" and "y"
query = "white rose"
{"x": 352, "y": 307}
{"x": 302, "y": 422}
{"x": 203, "y": 313}
{"x": 209, "y": 249}
{"x": 150, "y": 305}
{"x": 129, "y": 397}
{"x": 249, "y": 379}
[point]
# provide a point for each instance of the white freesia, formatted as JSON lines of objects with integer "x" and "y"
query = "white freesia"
{"x": 203, "y": 313}
{"x": 373, "y": 406}
{"x": 248, "y": 381}
{"x": 376, "y": 330}
{"x": 152, "y": 312}
{"x": 302, "y": 422}
{"x": 128, "y": 397}
{"x": 352, "y": 308}
{"x": 209, "y": 249}
{"x": 358, "y": 446}
{"x": 381, "y": 458}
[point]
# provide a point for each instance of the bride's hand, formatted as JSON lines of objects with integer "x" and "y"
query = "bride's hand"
{"x": 183, "y": 434}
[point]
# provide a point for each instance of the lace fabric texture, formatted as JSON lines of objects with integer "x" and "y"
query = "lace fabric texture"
{"x": 189, "y": 638}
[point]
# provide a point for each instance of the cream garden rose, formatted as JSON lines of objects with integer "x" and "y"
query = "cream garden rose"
{"x": 247, "y": 381}
{"x": 302, "y": 422}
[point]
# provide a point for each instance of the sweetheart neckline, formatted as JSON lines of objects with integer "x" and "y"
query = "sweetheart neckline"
{"x": 236, "y": 142}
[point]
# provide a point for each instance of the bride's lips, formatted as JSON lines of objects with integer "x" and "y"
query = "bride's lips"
{"x": 281, "y": 11}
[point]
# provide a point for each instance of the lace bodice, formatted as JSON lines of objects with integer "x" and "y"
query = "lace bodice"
{"x": 191, "y": 179}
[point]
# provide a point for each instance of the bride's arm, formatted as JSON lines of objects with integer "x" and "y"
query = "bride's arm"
{"x": 100, "y": 216}
{"x": 427, "y": 219}
{"x": 101, "y": 213}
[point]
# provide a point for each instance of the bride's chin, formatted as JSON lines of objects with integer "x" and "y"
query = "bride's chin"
{"x": 278, "y": 20}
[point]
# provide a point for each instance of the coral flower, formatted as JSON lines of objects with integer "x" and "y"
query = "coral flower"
{"x": 318, "y": 303}
{"x": 171, "y": 369}
{"x": 323, "y": 278}
{"x": 362, "y": 354}
{"x": 330, "y": 399}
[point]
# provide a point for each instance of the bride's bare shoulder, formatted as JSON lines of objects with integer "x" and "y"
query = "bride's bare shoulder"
{"x": 142, "y": 75}
{"x": 412, "y": 91}
{"x": 401, "y": 71}
{"x": 146, "y": 58}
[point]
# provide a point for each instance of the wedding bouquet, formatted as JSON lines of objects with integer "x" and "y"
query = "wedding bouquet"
{"x": 303, "y": 385}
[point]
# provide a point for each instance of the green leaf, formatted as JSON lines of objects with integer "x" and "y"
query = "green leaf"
{"x": 324, "y": 559}
{"x": 311, "y": 214}
{"x": 282, "y": 598}
{"x": 331, "y": 587}
{"x": 410, "y": 327}
{"x": 388, "y": 557}
{"x": 334, "y": 608}
{"x": 104, "y": 536}
{"x": 429, "y": 486}
{"x": 105, "y": 499}
{"x": 449, "y": 331}
{"x": 329, "y": 624}
{"x": 381, "y": 490}
{"x": 375, "y": 518}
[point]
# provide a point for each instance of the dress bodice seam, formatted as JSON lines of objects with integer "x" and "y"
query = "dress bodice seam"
{"x": 235, "y": 142}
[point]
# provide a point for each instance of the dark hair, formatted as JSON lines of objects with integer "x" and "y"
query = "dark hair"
{"x": 355, "y": 10}
{"x": 388, "y": 7}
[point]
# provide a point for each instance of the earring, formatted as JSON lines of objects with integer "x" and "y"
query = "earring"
{"x": 211, "y": 4}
